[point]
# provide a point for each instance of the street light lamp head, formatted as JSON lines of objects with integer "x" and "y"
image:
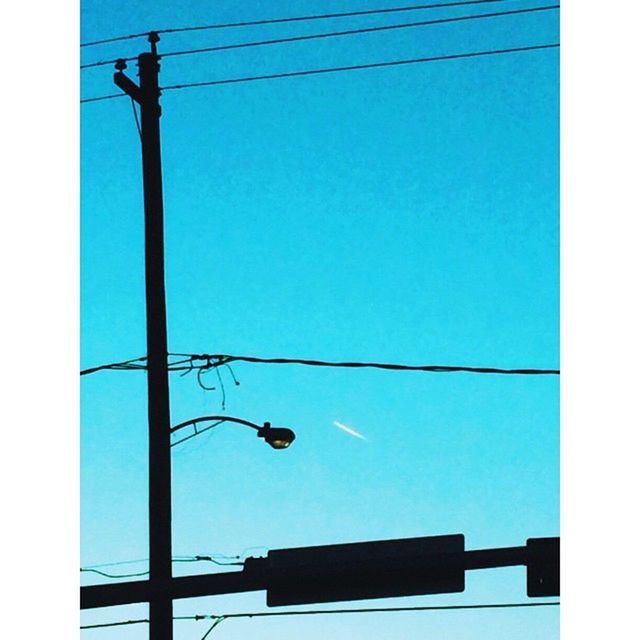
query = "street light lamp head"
{"x": 277, "y": 437}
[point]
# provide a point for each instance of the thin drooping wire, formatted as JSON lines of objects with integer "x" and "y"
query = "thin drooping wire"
{"x": 233, "y": 375}
{"x": 320, "y": 612}
{"x": 212, "y": 627}
{"x": 311, "y": 72}
{"x": 135, "y": 115}
{"x": 146, "y": 573}
{"x": 115, "y": 564}
{"x": 114, "y": 575}
{"x": 189, "y": 370}
{"x": 223, "y": 402}
{"x": 252, "y": 23}
{"x": 198, "y": 558}
{"x": 334, "y": 34}
{"x": 199, "y": 376}
{"x": 212, "y": 559}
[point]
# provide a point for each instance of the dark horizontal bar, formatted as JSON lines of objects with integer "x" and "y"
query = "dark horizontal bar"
{"x": 493, "y": 558}
{"x": 109, "y": 595}
{"x": 255, "y": 577}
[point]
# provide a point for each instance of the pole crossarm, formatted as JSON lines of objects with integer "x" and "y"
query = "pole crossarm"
{"x": 265, "y": 573}
{"x": 128, "y": 86}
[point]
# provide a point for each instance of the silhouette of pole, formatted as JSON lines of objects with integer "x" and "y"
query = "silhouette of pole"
{"x": 160, "y": 598}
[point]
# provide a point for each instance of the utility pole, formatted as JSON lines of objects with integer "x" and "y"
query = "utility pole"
{"x": 387, "y": 568}
{"x": 148, "y": 97}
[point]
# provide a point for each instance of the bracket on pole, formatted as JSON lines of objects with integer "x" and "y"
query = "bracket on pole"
{"x": 126, "y": 84}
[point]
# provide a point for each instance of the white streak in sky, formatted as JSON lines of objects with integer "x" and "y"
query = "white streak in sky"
{"x": 349, "y": 430}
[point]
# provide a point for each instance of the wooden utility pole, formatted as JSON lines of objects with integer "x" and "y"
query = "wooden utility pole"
{"x": 147, "y": 95}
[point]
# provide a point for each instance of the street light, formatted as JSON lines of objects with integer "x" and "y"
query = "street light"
{"x": 276, "y": 437}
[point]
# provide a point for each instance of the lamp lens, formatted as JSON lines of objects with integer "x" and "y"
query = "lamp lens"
{"x": 278, "y": 437}
{"x": 279, "y": 444}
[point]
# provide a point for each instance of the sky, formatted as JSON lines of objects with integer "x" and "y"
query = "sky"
{"x": 406, "y": 214}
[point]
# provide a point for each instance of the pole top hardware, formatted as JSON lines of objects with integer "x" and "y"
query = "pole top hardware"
{"x": 121, "y": 64}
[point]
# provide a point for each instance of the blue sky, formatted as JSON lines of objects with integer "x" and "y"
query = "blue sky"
{"x": 407, "y": 214}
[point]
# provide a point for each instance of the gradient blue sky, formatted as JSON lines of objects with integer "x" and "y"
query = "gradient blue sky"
{"x": 406, "y": 214}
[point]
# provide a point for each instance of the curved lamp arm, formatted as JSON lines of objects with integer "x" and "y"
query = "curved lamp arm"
{"x": 193, "y": 421}
{"x": 277, "y": 437}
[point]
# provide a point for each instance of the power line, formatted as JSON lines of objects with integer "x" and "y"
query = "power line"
{"x": 333, "y": 34}
{"x": 133, "y": 364}
{"x": 389, "y": 366}
{"x": 146, "y": 573}
{"x": 100, "y": 98}
{"x": 252, "y": 23}
{"x": 115, "y": 564}
{"x": 221, "y": 618}
{"x": 197, "y": 558}
{"x": 212, "y": 361}
{"x": 111, "y": 575}
{"x": 113, "y": 624}
{"x": 308, "y": 612}
{"x": 311, "y": 612}
{"x": 310, "y": 72}
{"x": 373, "y": 65}
{"x": 351, "y": 32}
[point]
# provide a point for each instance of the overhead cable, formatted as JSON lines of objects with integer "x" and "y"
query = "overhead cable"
{"x": 251, "y": 23}
{"x": 135, "y": 363}
{"x": 352, "y": 32}
{"x": 389, "y": 366}
{"x": 113, "y": 575}
{"x": 199, "y": 558}
{"x": 217, "y": 360}
{"x": 113, "y": 624}
{"x": 101, "y": 98}
{"x": 310, "y": 72}
{"x": 373, "y": 65}
{"x": 310, "y": 612}
{"x": 333, "y": 34}
{"x": 145, "y": 573}
{"x": 316, "y": 612}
